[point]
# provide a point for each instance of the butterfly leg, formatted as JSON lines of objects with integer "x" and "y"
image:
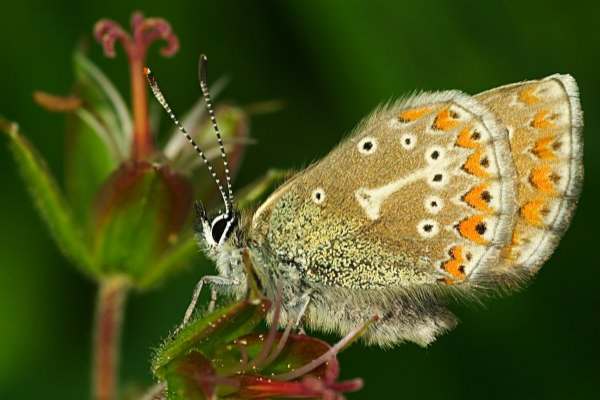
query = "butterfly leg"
{"x": 297, "y": 310}
{"x": 213, "y": 299}
{"x": 304, "y": 302}
{"x": 212, "y": 280}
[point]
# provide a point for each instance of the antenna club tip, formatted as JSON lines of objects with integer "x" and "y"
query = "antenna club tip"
{"x": 202, "y": 63}
{"x": 147, "y": 71}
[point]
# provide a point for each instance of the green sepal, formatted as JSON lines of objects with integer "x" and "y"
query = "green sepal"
{"x": 190, "y": 378}
{"x": 138, "y": 216}
{"x": 207, "y": 333}
{"x": 104, "y": 110}
{"x": 227, "y": 368}
{"x": 98, "y": 135}
{"x": 49, "y": 200}
{"x": 87, "y": 165}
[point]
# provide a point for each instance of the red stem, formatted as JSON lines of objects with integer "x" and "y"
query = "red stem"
{"x": 107, "y": 330}
{"x": 143, "y": 146}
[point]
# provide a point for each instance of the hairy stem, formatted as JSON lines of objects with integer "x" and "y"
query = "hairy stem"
{"x": 107, "y": 335}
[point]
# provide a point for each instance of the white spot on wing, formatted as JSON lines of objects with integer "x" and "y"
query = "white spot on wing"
{"x": 367, "y": 145}
{"x": 435, "y": 154}
{"x": 318, "y": 195}
{"x": 433, "y": 204}
{"x": 428, "y": 228}
{"x": 438, "y": 178}
{"x": 408, "y": 141}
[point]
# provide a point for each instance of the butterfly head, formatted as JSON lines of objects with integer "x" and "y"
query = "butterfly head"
{"x": 218, "y": 230}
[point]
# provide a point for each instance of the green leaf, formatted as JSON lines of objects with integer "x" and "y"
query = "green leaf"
{"x": 48, "y": 199}
{"x": 104, "y": 110}
{"x": 207, "y": 333}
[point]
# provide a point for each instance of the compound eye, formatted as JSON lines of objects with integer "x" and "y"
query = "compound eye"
{"x": 218, "y": 228}
{"x": 221, "y": 227}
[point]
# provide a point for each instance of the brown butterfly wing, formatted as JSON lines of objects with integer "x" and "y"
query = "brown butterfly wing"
{"x": 544, "y": 121}
{"x": 422, "y": 193}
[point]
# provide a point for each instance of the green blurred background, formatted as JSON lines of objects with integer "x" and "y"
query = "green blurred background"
{"x": 332, "y": 62}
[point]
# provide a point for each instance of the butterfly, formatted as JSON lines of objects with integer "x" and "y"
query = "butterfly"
{"x": 436, "y": 196}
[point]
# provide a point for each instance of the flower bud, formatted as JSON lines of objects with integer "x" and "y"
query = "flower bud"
{"x": 138, "y": 214}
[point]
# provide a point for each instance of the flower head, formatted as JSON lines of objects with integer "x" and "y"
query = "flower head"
{"x": 144, "y": 31}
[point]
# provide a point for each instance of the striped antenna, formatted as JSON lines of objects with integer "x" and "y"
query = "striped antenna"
{"x": 202, "y": 74}
{"x": 163, "y": 102}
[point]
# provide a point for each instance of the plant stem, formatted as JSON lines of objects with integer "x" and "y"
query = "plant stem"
{"x": 107, "y": 335}
{"x": 142, "y": 139}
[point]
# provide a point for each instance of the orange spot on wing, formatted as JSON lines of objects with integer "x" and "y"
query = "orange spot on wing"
{"x": 543, "y": 178}
{"x": 543, "y": 148}
{"x": 473, "y": 229}
{"x": 532, "y": 212}
{"x": 455, "y": 265}
{"x": 526, "y": 96}
{"x": 465, "y": 138}
{"x": 412, "y": 114}
{"x": 444, "y": 121}
{"x": 474, "y": 164}
{"x": 540, "y": 120}
{"x": 477, "y": 196}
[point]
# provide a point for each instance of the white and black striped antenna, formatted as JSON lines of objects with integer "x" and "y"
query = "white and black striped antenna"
{"x": 202, "y": 77}
{"x": 163, "y": 102}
